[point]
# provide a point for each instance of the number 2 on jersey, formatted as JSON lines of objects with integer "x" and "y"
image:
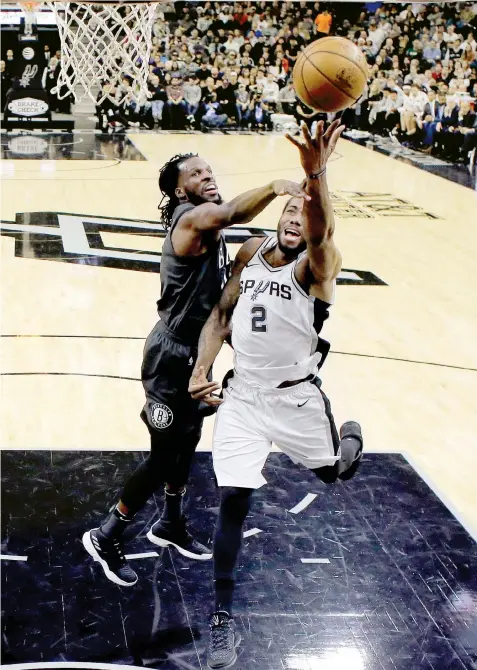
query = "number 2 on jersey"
{"x": 259, "y": 319}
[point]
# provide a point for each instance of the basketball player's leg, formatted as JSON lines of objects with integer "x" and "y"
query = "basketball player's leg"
{"x": 171, "y": 529}
{"x": 305, "y": 430}
{"x": 350, "y": 443}
{"x": 168, "y": 465}
{"x": 240, "y": 449}
{"x": 174, "y": 424}
{"x": 234, "y": 507}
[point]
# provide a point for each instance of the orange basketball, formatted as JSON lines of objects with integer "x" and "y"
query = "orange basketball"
{"x": 330, "y": 74}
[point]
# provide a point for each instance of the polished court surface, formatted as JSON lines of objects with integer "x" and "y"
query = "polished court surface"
{"x": 80, "y": 254}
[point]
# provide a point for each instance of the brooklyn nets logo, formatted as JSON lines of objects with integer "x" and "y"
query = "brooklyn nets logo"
{"x": 161, "y": 416}
{"x": 90, "y": 240}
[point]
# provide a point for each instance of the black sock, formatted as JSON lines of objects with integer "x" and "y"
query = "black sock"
{"x": 224, "y": 591}
{"x": 173, "y": 506}
{"x": 115, "y": 524}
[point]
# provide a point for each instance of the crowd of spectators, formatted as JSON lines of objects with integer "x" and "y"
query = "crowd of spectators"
{"x": 228, "y": 65}
{"x": 422, "y": 85}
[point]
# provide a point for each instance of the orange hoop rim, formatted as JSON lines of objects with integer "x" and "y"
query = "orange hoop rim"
{"x": 29, "y": 6}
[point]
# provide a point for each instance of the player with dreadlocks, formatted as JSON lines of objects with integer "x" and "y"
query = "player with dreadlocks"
{"x": 194, "y": 269}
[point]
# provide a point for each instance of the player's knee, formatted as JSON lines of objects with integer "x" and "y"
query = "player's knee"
{"x": 328, "y": 474}
{"x": 153, "y": 466}
{"x": 235, "y": 502}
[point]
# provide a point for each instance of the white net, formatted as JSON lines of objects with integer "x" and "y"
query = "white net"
{"x": 100, "y": 45}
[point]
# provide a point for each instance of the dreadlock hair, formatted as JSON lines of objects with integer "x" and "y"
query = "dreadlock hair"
{"x": 168, "y": 178}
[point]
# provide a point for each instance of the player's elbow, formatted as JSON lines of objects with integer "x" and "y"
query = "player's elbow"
{"x": 223, "y": 324}
{"x": 226, "y": 215}
{"x": 320, "y": 238}
{"x": 315, "y": 241}
{"x": 210, "y": 216}
{"x": 218, "y": 322}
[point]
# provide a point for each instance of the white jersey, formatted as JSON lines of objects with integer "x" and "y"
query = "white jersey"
{"x": 275, "y": 324}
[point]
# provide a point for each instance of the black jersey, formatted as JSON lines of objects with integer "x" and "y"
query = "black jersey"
{"x": 191, "y": 285}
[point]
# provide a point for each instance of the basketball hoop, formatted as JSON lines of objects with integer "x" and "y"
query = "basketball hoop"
{"x": 100, "y": 45}
{"x": 29, "y": 7}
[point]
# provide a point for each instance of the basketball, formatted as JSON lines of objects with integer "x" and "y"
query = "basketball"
{"x": 330, "y": 74}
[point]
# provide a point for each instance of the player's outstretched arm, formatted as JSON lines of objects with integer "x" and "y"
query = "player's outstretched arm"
{"x": 242, "y": 209}
{"x": 217, "y": 328}
{"x": 318, "y": 220}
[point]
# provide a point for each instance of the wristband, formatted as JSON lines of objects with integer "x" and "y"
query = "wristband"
{"x": 317, "y": 175}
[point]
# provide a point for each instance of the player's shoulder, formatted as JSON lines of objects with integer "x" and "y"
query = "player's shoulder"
{"x": 246, "y": 252}
{"x": 180, "y": 212}
{"x": 249, "y": 249}
{"x": 187, "y": 212}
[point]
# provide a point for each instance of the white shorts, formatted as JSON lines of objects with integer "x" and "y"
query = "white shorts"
{"x": 297, "y": 419}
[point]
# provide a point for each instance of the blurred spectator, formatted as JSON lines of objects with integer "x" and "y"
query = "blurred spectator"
{"x": 465, "y": 125}
{"x": 287, "y": 99}
{"x": 388, "y": 117}
{"x": 46, "y": 53}
{"x": 9, "y": 63}
{"x": 226, "y": 97}
{"x": 5, "y": 84}
{"x": 259, "y": 115}
{"x": 433, "y": 113}
{"x": 192, "y": 96}
{"x": 270, "y": 90}
{"x": 445, "y": 128}
{"x": 156, "y": 99}
{"x": 49, "y": 81}
{"x": 175, "y": 108}
{"x": 323, "y": 23}
{"x": 431, "y": 52}
{"x": 469, "y": 144}
{"x": 110, "y": 116}
{"x": 242, "y": 97}
{"x": 306, "y": 114}
{"x": 411, "y": 110}
{"x": 204, "y": 71}
{"x": 213, "y": 116}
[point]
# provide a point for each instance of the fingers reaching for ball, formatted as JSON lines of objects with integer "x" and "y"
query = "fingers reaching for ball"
{"x": 315, "y": 151}
{"x": 333, "y": 134}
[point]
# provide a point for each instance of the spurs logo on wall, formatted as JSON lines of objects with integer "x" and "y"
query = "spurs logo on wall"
{"x": 29, "y": 73}
{"x": 116, "y": 243}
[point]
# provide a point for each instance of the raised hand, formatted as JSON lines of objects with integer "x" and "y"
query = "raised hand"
{"x": 315, "y": 151}
{"x": 201, "y": 389}
{"x": 285, "y": 187}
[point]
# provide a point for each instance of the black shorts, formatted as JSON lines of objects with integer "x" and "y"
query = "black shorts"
{"x": 166, "y": 369}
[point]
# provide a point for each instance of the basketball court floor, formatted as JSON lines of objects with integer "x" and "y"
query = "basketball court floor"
{"x": 375, "y": 573}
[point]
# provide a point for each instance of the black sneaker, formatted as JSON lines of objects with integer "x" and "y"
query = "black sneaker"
{"x": 164, "y": 533}
{"x": 223, "y": 641}
{"x": 350, "y": 456}
{"x": 109, "y": 553}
